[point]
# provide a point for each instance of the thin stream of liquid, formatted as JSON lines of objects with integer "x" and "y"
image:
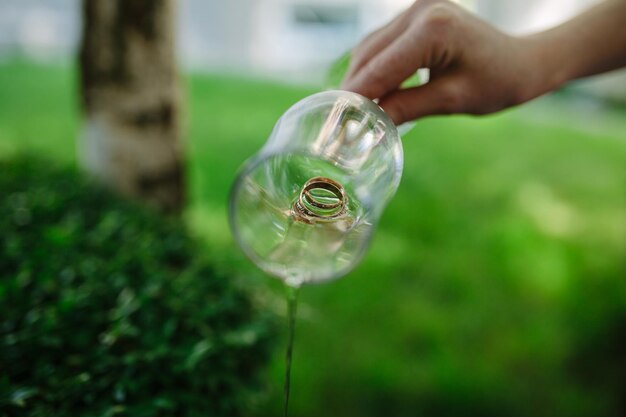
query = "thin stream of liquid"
{"x": 321, "y": 199}
{"x": 292, "y": 304}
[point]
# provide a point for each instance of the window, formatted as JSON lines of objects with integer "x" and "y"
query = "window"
{"x": 325, "y": 15}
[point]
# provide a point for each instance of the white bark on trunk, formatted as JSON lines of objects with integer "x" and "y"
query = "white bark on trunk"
{"x": 131, "y": 135}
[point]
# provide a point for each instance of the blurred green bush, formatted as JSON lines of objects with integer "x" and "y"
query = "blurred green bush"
{"x": 109, "y": 309}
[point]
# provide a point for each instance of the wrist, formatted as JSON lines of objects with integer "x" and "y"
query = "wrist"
{"x": 549, "y": 67}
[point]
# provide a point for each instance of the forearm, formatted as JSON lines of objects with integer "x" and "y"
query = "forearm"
{"x": 591, "y": 43}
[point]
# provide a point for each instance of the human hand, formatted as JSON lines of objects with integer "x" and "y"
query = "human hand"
{"x": 474, "y": 68}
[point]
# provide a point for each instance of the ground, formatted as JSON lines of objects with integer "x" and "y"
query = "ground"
{"x": 496, "y": 269}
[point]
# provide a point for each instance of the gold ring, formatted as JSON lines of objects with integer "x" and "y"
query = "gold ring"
{"x": 310, "y": 208}
{"x": 326, "y": 184}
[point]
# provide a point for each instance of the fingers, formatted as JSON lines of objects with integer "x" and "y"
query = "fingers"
{"x": 442, "y": 96}
{"x": 388, "y": 69}
{"x": 474, "y": 67}
{"x": 376, "y": 42}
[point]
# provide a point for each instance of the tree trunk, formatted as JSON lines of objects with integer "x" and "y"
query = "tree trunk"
{"x": 130, "y": 99}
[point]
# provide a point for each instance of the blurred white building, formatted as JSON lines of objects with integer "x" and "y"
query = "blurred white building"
{"x": 286, "y": 39}
{"x": 39, "y": 29}
{"x": 290, "y": 39}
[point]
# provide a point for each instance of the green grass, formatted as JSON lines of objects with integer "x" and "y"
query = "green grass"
{"x": 494, "y": 284}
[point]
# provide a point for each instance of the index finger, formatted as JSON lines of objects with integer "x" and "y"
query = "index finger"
{"x": 377, "y": 41}
{"x": 388, "y": 69}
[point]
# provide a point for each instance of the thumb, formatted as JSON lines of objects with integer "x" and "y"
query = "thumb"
{"x": 440, "y": 96}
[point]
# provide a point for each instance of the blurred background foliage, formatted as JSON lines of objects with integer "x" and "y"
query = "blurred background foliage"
{"x": 494, "y": 285}
{"x": 109, "y": 309}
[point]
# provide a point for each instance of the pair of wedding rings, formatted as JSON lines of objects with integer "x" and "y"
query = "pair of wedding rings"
{"x": 313, "y": 206}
